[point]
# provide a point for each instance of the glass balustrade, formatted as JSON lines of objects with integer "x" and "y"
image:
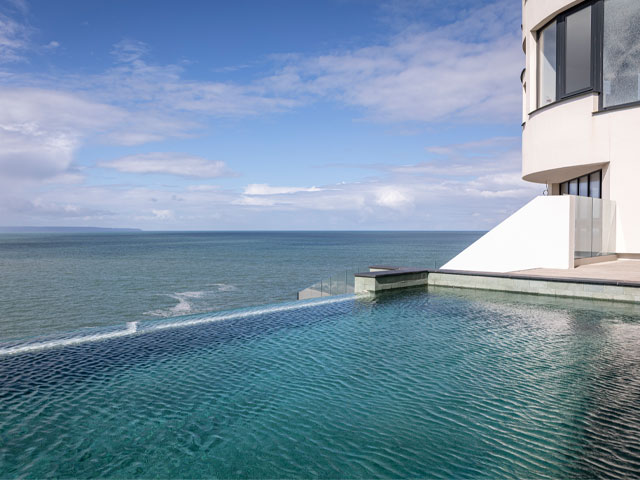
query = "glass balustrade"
{"x": 595, "y": 227}
{"x": 338, "y": 284}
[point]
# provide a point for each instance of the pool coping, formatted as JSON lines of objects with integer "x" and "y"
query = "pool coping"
{"x": 399, "y": 277}
{"x": 520, "y": 276}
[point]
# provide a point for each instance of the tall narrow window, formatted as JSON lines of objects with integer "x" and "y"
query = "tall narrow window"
{"x": 578, "y": 51}
{"x": 621, "y": 55}
{"x": 573, "y": 187}
{"x": 547, "y": 65}
{"x": 595, "y": 180}
{"x": 564, "y": 188}
{"x": 583, "y": 186}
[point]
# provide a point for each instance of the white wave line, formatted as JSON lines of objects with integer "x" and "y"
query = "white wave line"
{"x": 130, "y": 330}
{"x": 251, "y": 313}
{"x": 132, "y": 327}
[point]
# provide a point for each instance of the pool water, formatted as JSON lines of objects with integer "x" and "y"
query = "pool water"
{"x": 439, "y": 383}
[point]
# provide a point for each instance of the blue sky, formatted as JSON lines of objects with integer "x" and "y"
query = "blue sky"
{"x": 206, "y": 115}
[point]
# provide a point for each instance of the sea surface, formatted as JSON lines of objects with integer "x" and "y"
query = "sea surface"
{"x": 57, "y": 282}
{"x": 183, "y": 355}
{"x": 424, "y": 383}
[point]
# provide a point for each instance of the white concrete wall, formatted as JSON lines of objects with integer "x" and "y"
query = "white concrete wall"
{"x": 567, "y": 140}
{"x": 571, "y": 138}
{"x": 539, "y": 235}
{"x": 564, "y": 141}
{"x": 537, "y": 13}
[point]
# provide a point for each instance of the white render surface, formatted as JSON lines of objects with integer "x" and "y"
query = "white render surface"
{"x": 539, "y": 235}
{"x": 572, "y": 137}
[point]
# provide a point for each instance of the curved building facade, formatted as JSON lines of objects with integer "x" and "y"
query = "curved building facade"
{"x": 580, "y": 137}
{"x": 581, "y": 104}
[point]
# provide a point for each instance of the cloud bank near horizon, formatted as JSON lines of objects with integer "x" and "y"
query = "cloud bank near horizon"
{"x": 456, "y": 74}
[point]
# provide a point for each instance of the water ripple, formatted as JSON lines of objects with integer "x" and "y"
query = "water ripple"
{"x": 438, "y": 385}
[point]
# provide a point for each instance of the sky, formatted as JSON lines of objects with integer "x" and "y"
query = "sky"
{"x": 254, "y": 115}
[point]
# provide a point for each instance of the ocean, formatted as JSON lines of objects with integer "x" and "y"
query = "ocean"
{"x": 417, "y": 383}
{"x": 60, "y": 282}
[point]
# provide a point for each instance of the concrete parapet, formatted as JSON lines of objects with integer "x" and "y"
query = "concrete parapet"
{"x": 600, "y": 289}
{"x": 376, "y": 281}
{"x": 618, "y": 291}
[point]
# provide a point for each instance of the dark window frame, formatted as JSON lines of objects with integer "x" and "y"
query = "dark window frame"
{"x": 597, "y": 58}
{"x": 577, "y": 179}
{"x": 597, "y": 36}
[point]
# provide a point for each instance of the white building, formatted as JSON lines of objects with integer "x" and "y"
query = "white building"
{"x": 580, "y": 137}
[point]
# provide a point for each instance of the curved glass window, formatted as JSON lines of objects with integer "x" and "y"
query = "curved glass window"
{"x": 547, "y": 65}
{"x": 577, "y": 46}
{"x": 594, "y": 46}
{"x": 621, "y": 53}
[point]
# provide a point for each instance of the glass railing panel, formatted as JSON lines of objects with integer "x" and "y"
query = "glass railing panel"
{"x": 583, "y": 227}
{"x": 338, "y": 284}
{"x": 608, "y": 227}
{"x": 595, "y": 229}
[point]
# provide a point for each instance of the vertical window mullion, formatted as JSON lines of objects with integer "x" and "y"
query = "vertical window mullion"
{"x": 560, "y": 57}
{"x": 597, "y": 36}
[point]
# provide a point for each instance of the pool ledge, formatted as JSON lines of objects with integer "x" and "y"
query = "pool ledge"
{"x": 601, "y": 289}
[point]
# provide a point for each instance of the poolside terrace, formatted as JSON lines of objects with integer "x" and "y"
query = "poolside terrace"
{"x": 617, "y": 280}
{"x": 621, "y": 270}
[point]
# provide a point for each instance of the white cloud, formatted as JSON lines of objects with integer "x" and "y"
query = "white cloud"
{"x": 389, "y": 200}
{"x": 264, "y": 189}
{"x": 14, "y": 39}
{"x": 20, "y": 5}
{"x": 129, "y": 50}
{"x": 202, "y": 188}
{"x": 170, "y": 163}
{"x": 463, "y": 71}
{"x": 40, "y": 130}
{"x": 162, "y": 214}
{"x": 392, "y": 197}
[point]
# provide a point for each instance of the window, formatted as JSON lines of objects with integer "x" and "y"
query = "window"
{"x": 577, "y": 53}
{"x": 547, "y": 65}
{"x": 594, "y": 46}
{"x": 573, "y": 187}
{"x": 564, "y": 188}
{"x": 565, "y": 55}
{"x": 585, "y": 186}
{"x": 594, "y": 184}
{"x": 621, "y": 52}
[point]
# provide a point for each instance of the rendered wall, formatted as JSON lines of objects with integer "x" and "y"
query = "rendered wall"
{"x": 539, "y": 235}
{"x": 571, "y": 138}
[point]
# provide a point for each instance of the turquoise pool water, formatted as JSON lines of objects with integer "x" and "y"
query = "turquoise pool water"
{"x": 443, "y": 383}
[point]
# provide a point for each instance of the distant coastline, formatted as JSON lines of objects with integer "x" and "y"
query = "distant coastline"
{"x": 65, "y": 229}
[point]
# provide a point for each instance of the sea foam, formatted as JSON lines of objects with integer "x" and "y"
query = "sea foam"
{"x": 137, "y": 328}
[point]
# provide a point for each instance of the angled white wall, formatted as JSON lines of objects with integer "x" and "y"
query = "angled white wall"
{"x": 539, "y": 235}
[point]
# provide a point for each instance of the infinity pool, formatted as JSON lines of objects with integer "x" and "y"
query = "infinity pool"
{"x": 444, "y": 383}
